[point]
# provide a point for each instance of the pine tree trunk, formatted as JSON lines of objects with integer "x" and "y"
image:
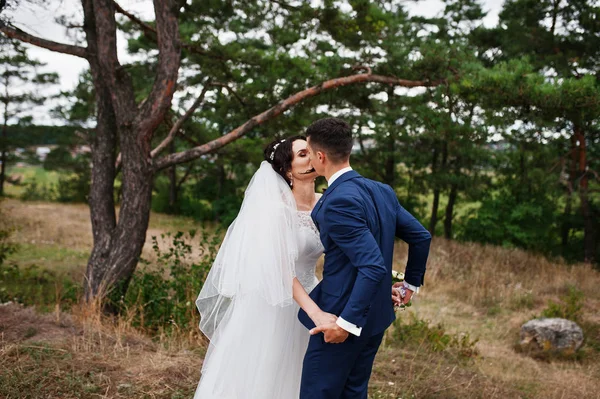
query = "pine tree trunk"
{"x": 390, "y": 159}
{"x": 3, "y": 157}
{"x": 566, "y": 224}
{"x": 438, "y": 189}
{"x": 173, "y": 187}
{"x": 4, "y": 142}
{"x": 118, "y": 244}
{"x": 450, "y": 211}
{"x": 448, "y": 219}
{"x": 589, "y": 240}
{"x": 436, "y": 194}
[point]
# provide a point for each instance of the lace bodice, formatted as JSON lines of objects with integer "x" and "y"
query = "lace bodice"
{"x": 309, "y": 251}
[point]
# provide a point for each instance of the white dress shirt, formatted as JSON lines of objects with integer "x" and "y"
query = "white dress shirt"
{"x": 346, "y": 325}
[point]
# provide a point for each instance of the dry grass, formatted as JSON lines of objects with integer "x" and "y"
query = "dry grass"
{"x": 59, "y": 236}
{"x": 485, "y": 291}
{"x": 83, "y": 356}
{"x": 490, "y": 292}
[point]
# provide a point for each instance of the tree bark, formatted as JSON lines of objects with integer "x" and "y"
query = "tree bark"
{"x": 450, "y": 211}
{"x": 436, "y": 192}
{"x": 589, "y": 239}
{"x": 566, "y": 224}
{"x": 4, "y": 144}
{"x": 390, "y": 160}
{"x": 449, "y": 217}
{"x": 118, "y": 245}
{"x": 173, "y": 187}
{"x": 101, "y": 198}
{"x": 3, "y": 157}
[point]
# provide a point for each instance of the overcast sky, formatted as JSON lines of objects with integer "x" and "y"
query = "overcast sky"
{"x": 40, "y": 21}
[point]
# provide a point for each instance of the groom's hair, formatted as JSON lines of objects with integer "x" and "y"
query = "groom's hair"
{"x": 332, "y": 136}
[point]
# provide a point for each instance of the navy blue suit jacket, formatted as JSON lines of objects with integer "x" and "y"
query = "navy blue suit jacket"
{"x": 358, "y": 220}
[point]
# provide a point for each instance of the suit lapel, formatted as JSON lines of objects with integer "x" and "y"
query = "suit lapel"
{"x": 346, "y": 176}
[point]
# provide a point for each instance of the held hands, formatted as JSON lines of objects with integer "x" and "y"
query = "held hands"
{"x": 397, "y": 297}
{"x": 321, "y": 318}
{"x": 334, "y": 334}
{"x": 325, "y": 323}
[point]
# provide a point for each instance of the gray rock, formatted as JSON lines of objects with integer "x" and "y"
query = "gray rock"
{"x": 559, "y": 335}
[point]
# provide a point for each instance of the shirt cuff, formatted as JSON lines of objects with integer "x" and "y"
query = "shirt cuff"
{"x": 351, "y": 328}
{"x": 411, "y": 287}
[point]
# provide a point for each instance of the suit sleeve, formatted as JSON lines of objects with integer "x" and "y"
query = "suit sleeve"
{"x": 418, "y": 239}
{"x": 347, "y": 227}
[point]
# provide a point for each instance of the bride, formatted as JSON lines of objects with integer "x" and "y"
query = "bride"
{"x": 263, "y": 273}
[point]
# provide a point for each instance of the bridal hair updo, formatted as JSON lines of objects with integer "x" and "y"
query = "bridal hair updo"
{"x": 279, "y": 153}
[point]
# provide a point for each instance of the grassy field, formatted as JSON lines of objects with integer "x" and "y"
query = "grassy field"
{"x": 457, "y": 341}
{"x": 29, "y": 174}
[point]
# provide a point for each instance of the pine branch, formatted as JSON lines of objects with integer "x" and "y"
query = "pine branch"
{"x": 179, "y": 123}
{"x": 193, "y": 153}
{"x": 16, "y": 33}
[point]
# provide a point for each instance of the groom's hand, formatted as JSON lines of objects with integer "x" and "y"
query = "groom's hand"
{"x": 334, "y": 334}
{"x": 397, "y": 299}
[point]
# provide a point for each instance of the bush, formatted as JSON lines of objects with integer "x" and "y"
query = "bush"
{"x": 419, "y": 333}
{"x": 73, "y": 188}
{"x": 162, "y": 296}
{"x": 37, "y": 192}
{"x": 34, "y": 286}
{"x": 504, "y": 220}
{"x": 6, "y": 247}
{"x": 570, "y": 307}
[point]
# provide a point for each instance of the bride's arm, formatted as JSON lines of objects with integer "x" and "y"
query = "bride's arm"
{"x": 309, "y": 306}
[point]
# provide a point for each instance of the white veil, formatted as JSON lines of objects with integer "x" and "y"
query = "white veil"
{"x": 258, "y": 255}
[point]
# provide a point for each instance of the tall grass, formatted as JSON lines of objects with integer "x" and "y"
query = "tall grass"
{"x": 456, "y": 341}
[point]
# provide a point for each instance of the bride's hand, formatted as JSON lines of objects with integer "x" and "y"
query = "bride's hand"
{"x": 320, "y": 318}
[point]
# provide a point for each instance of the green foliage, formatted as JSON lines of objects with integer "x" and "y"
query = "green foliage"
{"x": 162, "y": 294}
{"x": 20, "y": 85}
{"x": 570, "y": 306}
{"x": 535, "y": 68}
{"x": 22, "y": 136}
{"x": 6, "y": 246}
{"x": 33, "y": 285}
{"x": 419, "y": 333}
{"x": 75, "y": 178}
{"x": 504, "y": 220}
{"x": 35, "y": 191}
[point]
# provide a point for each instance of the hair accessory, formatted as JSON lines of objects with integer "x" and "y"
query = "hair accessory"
{"x": 275, "y": 148}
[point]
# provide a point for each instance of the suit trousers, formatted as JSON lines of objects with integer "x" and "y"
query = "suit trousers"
{"x": 338, "y": 371}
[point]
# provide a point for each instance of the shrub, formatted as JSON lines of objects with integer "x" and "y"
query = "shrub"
{"x": 419, "y": 333}
{"x": 162, "y": 296}
{"x": 32, "y": 285}
{"x": 570, "y": 307}
{"x": 37, "y": 192}
{"x": 6, "y": 247}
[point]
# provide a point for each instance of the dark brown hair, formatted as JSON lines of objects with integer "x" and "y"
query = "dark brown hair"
{"x": 333, "y": 136}
{"x": 279, "y": 153}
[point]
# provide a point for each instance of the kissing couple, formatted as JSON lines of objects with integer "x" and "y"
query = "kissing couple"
{"x": 275, "y": 331}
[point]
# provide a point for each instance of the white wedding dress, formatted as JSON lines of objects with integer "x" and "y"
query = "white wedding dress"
{"x": 258, "y": 346}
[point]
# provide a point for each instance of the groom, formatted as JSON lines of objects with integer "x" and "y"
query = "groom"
{"x": 358, "y": 220}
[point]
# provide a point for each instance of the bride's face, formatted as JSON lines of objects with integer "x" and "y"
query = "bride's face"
{"x": 301, "y": 167}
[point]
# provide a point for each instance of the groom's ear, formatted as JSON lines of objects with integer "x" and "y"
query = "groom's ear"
{"x": 321, "y": 156}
